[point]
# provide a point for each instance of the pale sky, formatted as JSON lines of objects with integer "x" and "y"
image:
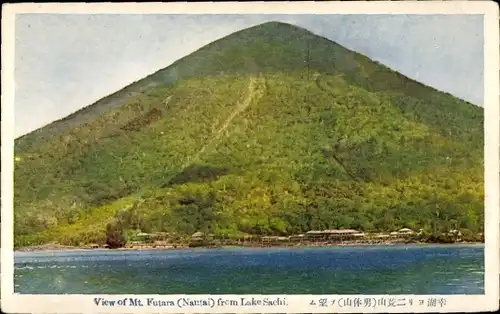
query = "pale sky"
{"x": 67, "y": 61}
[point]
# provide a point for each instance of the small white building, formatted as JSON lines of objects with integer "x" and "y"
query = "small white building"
{"x": 394, "y": 234}
{"x": 143, "y": 235}
{"x": 402, "y": 233}
{"x": 406, "y": 231}
{"x": 455, "y": 232}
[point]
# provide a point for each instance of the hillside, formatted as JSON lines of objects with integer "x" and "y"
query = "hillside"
{"x": 270, "y": 130}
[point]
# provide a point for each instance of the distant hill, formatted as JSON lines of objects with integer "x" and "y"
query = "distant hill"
{"x": 270, "y": 130}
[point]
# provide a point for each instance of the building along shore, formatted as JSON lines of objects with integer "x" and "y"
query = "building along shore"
{"x": 329, "y": 237}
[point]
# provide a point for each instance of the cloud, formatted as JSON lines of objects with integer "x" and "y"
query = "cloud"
{"x": 67, "y": 61}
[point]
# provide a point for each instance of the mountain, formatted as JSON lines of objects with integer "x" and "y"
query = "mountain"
{"x": 270, "y": 130}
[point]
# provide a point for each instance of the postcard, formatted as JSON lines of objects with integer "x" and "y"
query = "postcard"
{"x": 254, "y": 157}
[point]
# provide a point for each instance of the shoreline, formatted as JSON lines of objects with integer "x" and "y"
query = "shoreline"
{"x": 61, "y": 248}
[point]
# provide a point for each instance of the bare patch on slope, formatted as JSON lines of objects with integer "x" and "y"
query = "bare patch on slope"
{"x": 256, "y": 88}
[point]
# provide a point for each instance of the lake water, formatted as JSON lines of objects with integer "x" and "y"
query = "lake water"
{"x": 325, "y": 270}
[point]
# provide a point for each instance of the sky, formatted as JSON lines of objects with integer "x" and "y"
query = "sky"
{"x": 64, "y": 62}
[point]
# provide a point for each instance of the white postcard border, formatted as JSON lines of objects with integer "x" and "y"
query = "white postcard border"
{"x": 11, "y": 302}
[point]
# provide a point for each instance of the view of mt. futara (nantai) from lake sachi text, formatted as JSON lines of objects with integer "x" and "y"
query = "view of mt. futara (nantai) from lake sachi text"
{"x": 273, "y": 154}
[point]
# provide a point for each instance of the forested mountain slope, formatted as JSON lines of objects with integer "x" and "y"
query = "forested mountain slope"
{"x": 270, "y": 130}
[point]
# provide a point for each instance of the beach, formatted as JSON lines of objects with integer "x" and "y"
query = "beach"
{"x": 177, "y": 246}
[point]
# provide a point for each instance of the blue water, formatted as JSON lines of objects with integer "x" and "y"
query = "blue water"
{"x": 326, "y": 270}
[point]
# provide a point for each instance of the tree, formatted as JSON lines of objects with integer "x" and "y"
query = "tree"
{"x": 115, "y": 237}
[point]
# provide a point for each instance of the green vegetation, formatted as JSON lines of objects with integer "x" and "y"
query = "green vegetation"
{"x": 269, "y": 131}
{"x": 114, "y": 235}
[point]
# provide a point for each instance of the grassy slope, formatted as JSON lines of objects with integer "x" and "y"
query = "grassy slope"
{"x": 327, "y": 139}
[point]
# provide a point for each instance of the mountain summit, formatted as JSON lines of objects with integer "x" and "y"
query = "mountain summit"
{"x": 270, "y": 130}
